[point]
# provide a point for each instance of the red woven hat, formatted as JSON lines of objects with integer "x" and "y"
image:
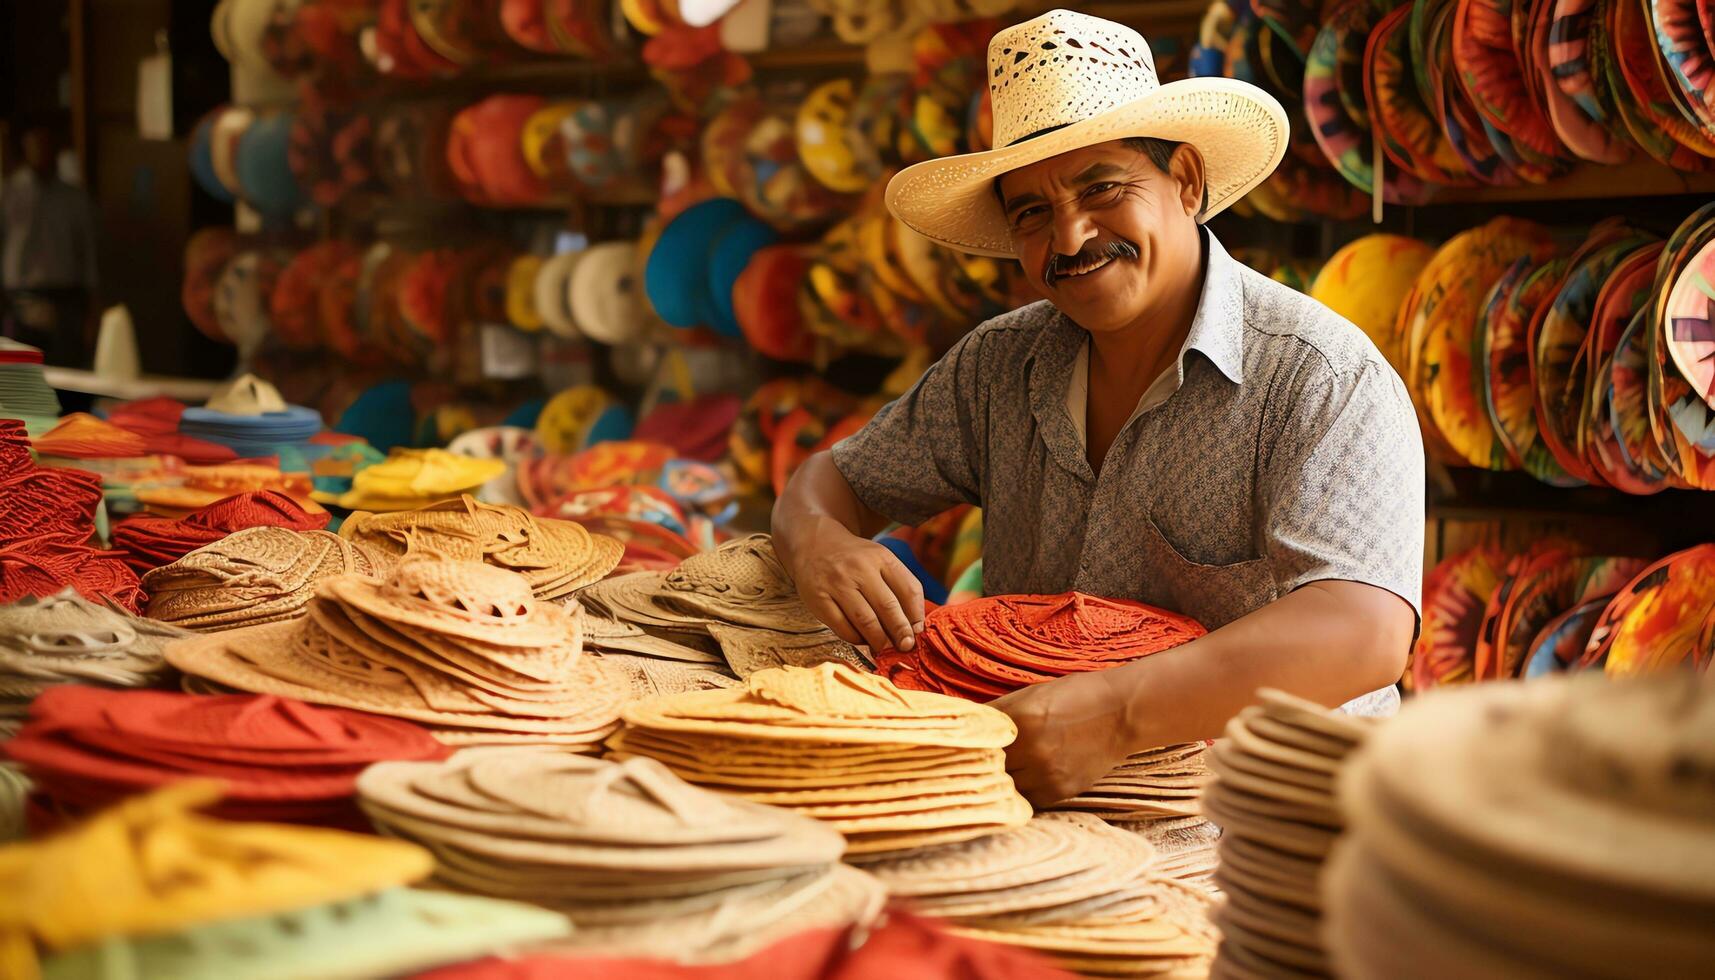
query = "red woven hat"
{"x": 88, "y": 747}
{"x": 988, "y": 647}
{"x": 150, "y": 542}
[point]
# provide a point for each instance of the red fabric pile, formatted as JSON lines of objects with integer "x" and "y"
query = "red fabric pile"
{"x": 698, "y": 429}
{"x": 156, "y": 420}
{"x": 150, "y": 542}
{"x": 902, "y": 947}
{"x": 282, "y": 760}
{"x": 982, "y": 649}
{"x": 47, "y": 518}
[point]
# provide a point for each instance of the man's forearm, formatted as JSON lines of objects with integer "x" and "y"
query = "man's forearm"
{"x": 817, "y": 494}
{"x": 1328, "y": 641}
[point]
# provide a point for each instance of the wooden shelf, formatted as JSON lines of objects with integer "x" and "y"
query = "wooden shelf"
{"x": 1479, "y": 495}
{"x": 1637, "y": 179}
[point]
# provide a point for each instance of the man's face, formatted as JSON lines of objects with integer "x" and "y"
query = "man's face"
{"x": 1102, "y": 232}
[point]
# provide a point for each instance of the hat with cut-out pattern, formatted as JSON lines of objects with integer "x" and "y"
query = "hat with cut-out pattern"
{"x": 1065, "y": 81}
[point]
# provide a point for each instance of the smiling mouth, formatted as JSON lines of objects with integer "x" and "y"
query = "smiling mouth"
{"x": 1086, "y": 267}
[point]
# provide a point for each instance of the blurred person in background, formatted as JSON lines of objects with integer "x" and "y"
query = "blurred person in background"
{"x": 47, "y": 254}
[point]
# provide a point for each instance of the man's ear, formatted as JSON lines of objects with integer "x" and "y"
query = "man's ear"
{"x": 1186, "y": 168}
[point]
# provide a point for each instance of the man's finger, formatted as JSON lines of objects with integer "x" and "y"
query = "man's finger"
{"x": 886, "y": 607}
{"x": 906, "y": 588}
{"x": 827, "y": 609}
{"x": 863, "y": 618}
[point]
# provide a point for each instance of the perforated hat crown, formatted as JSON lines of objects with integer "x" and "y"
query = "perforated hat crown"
{"x": 1062, "y": 68}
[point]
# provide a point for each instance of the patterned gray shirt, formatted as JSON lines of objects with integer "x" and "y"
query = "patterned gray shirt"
{"x": 1287, "y": 453}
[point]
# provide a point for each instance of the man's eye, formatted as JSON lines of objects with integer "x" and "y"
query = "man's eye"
{"x": 1031, "y": 213}
{"x": 1102, "y": 188}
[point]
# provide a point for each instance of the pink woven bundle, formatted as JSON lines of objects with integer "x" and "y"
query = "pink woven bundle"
{"x": 149, "y": 541}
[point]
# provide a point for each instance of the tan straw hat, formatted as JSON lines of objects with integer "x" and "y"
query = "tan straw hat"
{"x": 1065, "y": 81}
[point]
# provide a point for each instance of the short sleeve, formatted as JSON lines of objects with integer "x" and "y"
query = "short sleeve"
{"x": 1345, "y": 486}
{"x": 921, "y": 454}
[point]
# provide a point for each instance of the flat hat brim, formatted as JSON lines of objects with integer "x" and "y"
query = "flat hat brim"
{"x": 1240, "y": 130}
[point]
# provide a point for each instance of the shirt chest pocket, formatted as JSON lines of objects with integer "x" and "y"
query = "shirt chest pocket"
{"x": 1214, "y": 595}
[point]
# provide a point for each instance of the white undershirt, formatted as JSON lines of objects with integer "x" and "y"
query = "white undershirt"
{"x": 1078, "y": 391}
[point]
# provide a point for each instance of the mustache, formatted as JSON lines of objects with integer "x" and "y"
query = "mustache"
{"x": 1059, "y": 265}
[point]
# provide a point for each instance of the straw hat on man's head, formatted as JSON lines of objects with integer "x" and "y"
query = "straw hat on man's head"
{"x": 1065, "y": 81}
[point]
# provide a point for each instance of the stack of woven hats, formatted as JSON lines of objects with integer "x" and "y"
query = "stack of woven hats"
{"x": 150, "y": 542}
{"x": 66, "y": 639}
{"x": 738, "y": 596}
{"x": 413, "y": 478}
{"x": 987, "y": 647}
{"x": 250, "y": 577}
{"x": 248, "y": 416}
{"x": 1274, "y": 797}
{"x": 281, "y": 760}
{"x": 889, "y": 769}
{"x": 652, "y": 664}
{"x": 1561, "y": 827}
{"x": 151, "y": 888}
{"x": 461, "y": 647}
{"x": 558, "y": 557}
{"x": 1066, "y": 884}
{"x": 1156, "y": 794}
{"x": 24, "y": 391}
{"x": 638, "y": 859}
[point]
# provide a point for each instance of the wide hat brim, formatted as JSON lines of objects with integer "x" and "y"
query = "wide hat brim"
{"x": 1240, "y": 130}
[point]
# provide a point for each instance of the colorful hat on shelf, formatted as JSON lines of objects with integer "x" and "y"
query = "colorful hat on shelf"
{"x": 1633, "y": 636}
{"x": 202, "y": 159}
{"x": 263, "y": 166}
{"x": 824, "y": 137}
{"x": 569, "y": 418}
{"x": 206, "y": 256}
{"x": 1560, "y": 370}
{"x": 1439, "y": 313}
{"x": 414, "y": 478}
{"x": 1455, "y": 594}
{"x": 485, "y": 150}
{"x": 552, "y": 293}
{"x": 675, "y": 278}
{"x": 295, "y": 307}
{"x": 765, "y": 303}
{"x": 606, "y": 295}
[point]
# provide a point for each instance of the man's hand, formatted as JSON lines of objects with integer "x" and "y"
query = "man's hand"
{"x": 1072, "y": 731}
{"x": 857, "y": 587}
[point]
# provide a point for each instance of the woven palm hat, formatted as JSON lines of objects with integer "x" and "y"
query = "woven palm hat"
{"x": 1064, "y": 81}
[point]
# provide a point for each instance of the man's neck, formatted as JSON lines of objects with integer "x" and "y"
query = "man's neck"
{"x": 1124, "y": 363}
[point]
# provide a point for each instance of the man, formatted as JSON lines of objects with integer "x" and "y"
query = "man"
{"x": 47, "y": 254}
{"x": 1167, "y": 426}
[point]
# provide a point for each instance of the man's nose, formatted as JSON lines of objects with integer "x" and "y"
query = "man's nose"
{"x": 1072, "y": 229}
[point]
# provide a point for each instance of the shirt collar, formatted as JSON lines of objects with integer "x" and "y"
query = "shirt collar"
{"x": 1218, "y": 329}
